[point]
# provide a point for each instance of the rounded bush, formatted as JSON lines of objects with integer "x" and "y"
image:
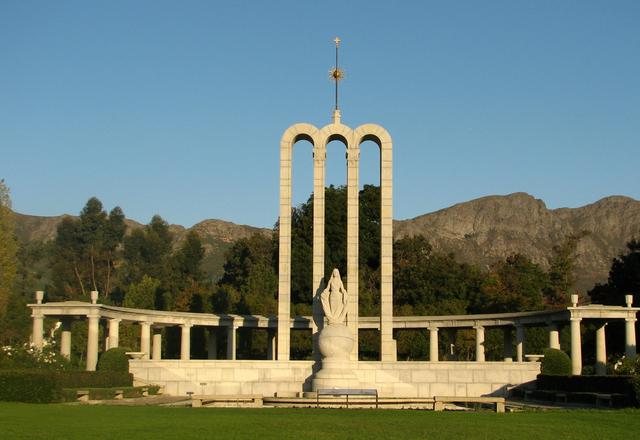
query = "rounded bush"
{"x": 555, "y": 363}
{"x": 114, "y": 359}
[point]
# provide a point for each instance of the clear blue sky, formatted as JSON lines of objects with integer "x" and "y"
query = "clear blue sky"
{"x": 177, "y": 107}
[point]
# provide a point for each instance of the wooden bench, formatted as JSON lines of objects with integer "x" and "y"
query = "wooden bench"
{"x": 346, "y": 392}
{"x": 497, "y": 402}
{"x": 250, "y": 399}
{"x": 82, "y": 395}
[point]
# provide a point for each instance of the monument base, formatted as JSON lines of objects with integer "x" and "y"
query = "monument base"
{"x": 337, "y": 371}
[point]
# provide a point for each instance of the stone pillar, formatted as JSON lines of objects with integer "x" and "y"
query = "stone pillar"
{"x": 479, "y": 343}
{"x": 93, "y": 334}
{"x": 576, "y": 347}
{"x": 65, "y": 339}
{"x": 145, "y": 339}
{"x": 212, "y": 343}
{"x": 519, "y": 343}
{"x": 156, "y": 351}
{"x": 433, "y": 344}
{"x": 601, "y": 350}
{"x": 37, "y": 337}
{"x": 284, "y": 248}
{"x": 353, "y": 231}
{"x": 554, "y": 336}
{"x": 507, "y": 344}
{"x": 231, "y": 342}
{"x": 185, "y": 342}
{"x": 114, "y": 333}
{"x": 388, "y": 350}
{"x": 271, "y": 345}
{"x": 630, "y": 337}
{"x": 319, "y": 158}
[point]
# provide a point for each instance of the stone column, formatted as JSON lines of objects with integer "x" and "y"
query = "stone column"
{"x": 231, "y": 342}
{"x": 388, "y": 350}
{"x": 145, "y": 339}
{"x": 479, "y": 343}
{"x": 185, "y": 342}
{"x": 156, "y": 345}
{"x": 37, "y": 337}
{"x": 576, "y": 347}
{"x": 212, "y": 343}
{"x": 519, "y": 343}
{"x": 433, "y": 344}
{"x": 554, "y": 336}
{"x": 353, "y": 231}
{"x": 507, "y": 344}
{"x": 93, "y": 334}
{"x": 65, "y": 339}
{"x": 601, "y": 350}
{"x": 630, "y": 337}
{"x": 271, "y": 345}
{"x": 319, "y": 158}
{"x": 114, "y": 333}
{"x": 284, "y": 249}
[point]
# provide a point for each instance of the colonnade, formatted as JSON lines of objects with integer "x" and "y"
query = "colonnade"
{"x": 151, "y": 323}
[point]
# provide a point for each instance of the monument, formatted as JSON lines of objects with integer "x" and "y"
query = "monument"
{"x": 335, "y": 322}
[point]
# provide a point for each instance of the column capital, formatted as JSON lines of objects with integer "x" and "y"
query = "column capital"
{"x": 433, "y": 328}
{"x": 575, "y": 318}
{"x": 118, "y": 320}
{"x": 186, "y": 325}
{"x": 631, "y": 319}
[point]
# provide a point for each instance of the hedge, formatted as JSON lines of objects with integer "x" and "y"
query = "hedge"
{"x": 94, "y": 379}
{"x": 70, "y": 394}
{"x": 34, "y": 386}
{"x": 588, "y": 384}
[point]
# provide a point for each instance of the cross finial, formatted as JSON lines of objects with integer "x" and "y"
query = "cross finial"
{"x": 336, "y": 73}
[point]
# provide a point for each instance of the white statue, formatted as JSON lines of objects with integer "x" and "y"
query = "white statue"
{"x": 334, "y": 299}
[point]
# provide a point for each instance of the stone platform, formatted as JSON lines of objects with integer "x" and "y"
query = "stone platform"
{"x": 391, "y": 379}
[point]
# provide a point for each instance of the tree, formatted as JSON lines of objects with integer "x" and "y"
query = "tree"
{"x": 562, "y": 271}
{"x": 429, "y": 283}
{"x": 624, "y": 278}
{"x": 513, "y": 285}
{"x": 147, "y": 251}
{"x": 8, "y": 248}
{"x": 142, "y": 295}
{"x": 85, "y": 251}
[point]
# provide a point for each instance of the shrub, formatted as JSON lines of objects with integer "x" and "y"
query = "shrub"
{"x": 34, "y": 386}
{"x": 555, "y": 363}
{"x": 114, "y": 359}
{"x": 27, "y": 356}
{"x": 94, "y": 379}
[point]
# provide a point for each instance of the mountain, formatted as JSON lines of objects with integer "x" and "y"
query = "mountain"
{"x": 480, "y": 231}
{"x": 484, "y": 230}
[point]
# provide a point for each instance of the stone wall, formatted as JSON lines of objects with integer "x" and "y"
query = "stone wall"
{"x": 224, "y": 376}
{"x": 392, "y": 379}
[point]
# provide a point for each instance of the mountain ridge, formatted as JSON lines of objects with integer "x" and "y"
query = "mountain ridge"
{"x": 479, "y": 231}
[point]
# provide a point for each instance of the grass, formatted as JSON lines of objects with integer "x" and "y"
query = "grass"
{"x": 18, "y": 420}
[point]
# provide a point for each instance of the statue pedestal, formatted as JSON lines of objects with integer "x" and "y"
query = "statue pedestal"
{"x": 336, "y": 343}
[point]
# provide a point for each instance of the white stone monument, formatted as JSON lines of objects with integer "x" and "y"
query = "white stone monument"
{"x": 336, "y": 340}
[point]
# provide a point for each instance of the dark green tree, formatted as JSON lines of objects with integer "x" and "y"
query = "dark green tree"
{"x": 562, "y": 271}
{"x": 513, "y": 285}
{"x": 624, "y": 278}
{"x": 85, "y": 251}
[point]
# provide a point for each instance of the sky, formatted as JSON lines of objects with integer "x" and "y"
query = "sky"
{"x": 177, "y": 107}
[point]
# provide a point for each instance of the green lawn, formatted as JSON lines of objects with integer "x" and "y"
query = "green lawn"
{"x": 115, "y": 422}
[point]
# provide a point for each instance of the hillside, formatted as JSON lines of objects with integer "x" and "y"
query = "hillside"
{"x": 480, "y": 231}
{"x": 484, "y": 230}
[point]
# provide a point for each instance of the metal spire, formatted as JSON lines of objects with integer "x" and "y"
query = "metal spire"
{"x": 336, "y": 73}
